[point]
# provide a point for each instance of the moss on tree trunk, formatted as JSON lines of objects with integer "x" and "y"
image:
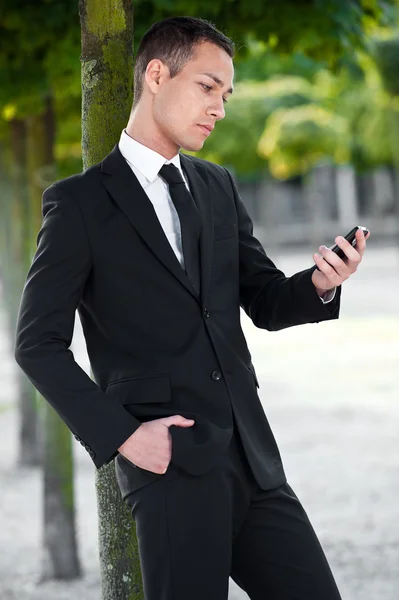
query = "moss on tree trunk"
{"x": 107, "y": 86}
{"x": 107, "y": 74}
{"x": 119, "y": 559}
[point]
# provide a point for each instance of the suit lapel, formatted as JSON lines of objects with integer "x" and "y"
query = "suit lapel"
{"x": 127, "y": 192}
{"x": 200, "y": 190}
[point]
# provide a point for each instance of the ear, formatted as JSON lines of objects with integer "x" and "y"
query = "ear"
{"x": 155, "y": 73}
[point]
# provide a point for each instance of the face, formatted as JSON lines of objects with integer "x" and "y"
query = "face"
{"x": 185, "y": 109}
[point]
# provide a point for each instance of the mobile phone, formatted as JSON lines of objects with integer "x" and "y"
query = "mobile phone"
{"x": 351, "y": 238}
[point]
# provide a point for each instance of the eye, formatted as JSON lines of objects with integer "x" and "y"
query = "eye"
{"x": 208, "y": 88}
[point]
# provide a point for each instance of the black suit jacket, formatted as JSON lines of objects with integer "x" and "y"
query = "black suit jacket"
{"x": 155, "y": 348}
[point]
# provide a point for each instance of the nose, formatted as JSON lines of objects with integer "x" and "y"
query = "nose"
{"x": 217, "y": 110}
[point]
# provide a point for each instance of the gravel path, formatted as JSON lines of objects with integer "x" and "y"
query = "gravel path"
{"x": 331, "y": 393}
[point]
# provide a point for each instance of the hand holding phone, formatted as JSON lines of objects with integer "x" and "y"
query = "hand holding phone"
{"x": 351, "y": 238}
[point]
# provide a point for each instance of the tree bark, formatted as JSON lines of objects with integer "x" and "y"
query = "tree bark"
{"x": 107, "y": 74}
{"x": 107, "y": 86}
{"x": 119, "y": 558}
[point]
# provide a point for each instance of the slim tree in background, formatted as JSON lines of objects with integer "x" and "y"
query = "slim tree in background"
{"x": 107, "y": 85}
{"x": 60, "y": 556}
{"x": 20, "y": 231}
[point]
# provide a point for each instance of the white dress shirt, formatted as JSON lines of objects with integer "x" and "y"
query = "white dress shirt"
{"x": 146, "y": 164}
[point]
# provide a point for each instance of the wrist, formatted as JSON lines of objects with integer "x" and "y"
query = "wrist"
{"x": 321, "y": 292}
{"x": 326, "y": 295}
{"x": 126, "y": 443}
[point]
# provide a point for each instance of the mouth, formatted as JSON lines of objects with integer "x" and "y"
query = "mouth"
{"x": 206, "y": 129}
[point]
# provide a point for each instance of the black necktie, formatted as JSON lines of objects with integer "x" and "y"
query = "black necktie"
{"x": 190, "y": 221}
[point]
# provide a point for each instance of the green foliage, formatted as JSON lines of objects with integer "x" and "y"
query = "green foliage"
{"x": 386, "y": 55}
{"x": 263, "y": 62}
{"x": 287, "y": 92}
{"x": 370, "y": 142}
{"x": 40, "y": 49}
{"x": 39, "y": 43}
{"x": 295, "y": 139}
{"x": 235, "y": 139}
{"x": 288, "y": 123}
{"x": 323, "y": 30}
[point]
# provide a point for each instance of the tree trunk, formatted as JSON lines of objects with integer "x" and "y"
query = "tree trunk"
{"x": 59, "y": 539}
{"x": 107, "y": 74}
{"x": 107, "y": 85}
{"x": 29, "y": 449}
{"x": 119, "y": 559}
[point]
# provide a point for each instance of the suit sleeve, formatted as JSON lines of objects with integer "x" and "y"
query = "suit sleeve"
{"x": 272, "y": 300}
{"x": 52, "y": 292}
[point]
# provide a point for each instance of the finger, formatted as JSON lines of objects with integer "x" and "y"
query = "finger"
{"x": 186, "y": 423}
{"x": 178, "y": 420}
{"x": 361, "y": 241}
{"x": 350, "y": 252}
{"x": 339, "y": 265}
{"x": 328, "y": 271}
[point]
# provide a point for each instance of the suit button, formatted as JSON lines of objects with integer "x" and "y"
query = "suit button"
{"x": 207, "y": 314}
{"x": 216, "y": 375}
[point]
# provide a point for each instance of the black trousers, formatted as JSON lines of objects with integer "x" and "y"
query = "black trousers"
{"x": 194, "y": 532}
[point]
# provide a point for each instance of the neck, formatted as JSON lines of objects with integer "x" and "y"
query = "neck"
{"x": 142, "y": 128}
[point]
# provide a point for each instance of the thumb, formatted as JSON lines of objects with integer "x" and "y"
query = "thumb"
{"x": 179, "y": 421}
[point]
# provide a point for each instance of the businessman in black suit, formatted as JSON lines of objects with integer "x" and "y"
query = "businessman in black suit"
{"x": 155, "y": 249}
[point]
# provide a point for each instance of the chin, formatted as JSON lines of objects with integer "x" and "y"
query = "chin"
{"x": 193, "y": 146}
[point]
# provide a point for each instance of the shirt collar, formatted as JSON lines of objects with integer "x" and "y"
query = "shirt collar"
{"x": 145, "y": 160}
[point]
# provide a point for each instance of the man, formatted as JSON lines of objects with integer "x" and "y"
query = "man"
{"x": 156, "y": 251}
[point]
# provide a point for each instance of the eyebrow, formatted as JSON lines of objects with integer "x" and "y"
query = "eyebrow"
{"x": 218, "y": 81}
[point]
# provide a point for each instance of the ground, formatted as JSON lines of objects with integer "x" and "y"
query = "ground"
{"x": 331, "y": 394}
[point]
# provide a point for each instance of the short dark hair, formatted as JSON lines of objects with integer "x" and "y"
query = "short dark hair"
{"x": 174, "y": 41}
